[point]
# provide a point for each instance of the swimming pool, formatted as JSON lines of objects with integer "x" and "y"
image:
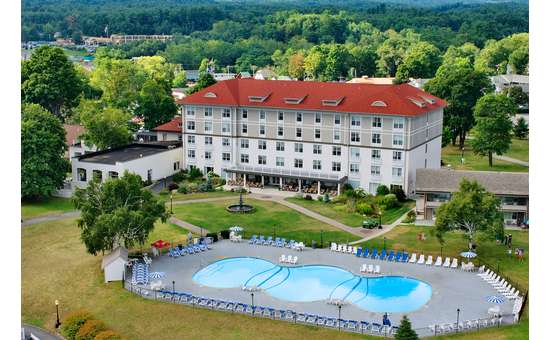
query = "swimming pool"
{"x": 317, "y": 282}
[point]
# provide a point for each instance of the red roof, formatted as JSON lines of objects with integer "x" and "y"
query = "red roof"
{"x": 172, "y": 126}
{"x": 402, "y": 99}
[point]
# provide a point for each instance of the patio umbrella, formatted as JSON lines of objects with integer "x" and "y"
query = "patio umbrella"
{"x": 468, "y": 254}
{"x": 157, "y": 275}
{"x": 160, "y": 244}
{"x": 236, "y": 229}
{"x": 496, "y": 299}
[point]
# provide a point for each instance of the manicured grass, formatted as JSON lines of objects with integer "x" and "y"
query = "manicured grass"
{"x": 198, "y": 195}
{"x": 339, "y": 212}
{"x": 288, "y": 223}
{"x": 48, "y": 206}
{"x": 519, "y": 149}
{"x": 167, "y": 232}
{"x": 452, "y": 155}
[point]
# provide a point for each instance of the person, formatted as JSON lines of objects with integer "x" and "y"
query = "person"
{"x": 189, "y": 237}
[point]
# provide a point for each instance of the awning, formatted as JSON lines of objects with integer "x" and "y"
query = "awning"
{"x": 289, "y": 173}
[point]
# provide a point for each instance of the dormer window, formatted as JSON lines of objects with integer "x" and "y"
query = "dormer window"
{"x": 378, "y": 103}
{"x": 417, "y": 102}
{"x": 332, "y": 102}
{"x": 210, "y": 95}
{"x": 296, "y": 100}
{"x": 258, "y": 99}
{"x": 429, "y": 100}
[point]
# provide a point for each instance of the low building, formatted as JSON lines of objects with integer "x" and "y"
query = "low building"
{"x": 265, "y": 74}
{"x": 372, "y": 80}
{"x": 151, "y": 161}
{"x": 114, "y": 264}
{"x": 435, "y": 187}
{"x": 169, "y": 131}
{"x": 503, "y": 81}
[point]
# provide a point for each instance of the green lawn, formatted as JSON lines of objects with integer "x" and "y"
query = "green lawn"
{"x": 452, "y": 155}
{"x": 339, "y": 212}
{"x": 519, "y": 149}
{"x": 48, "y": 206}
{"x": 198, "y": 195}
{"x": 287, "y": 222}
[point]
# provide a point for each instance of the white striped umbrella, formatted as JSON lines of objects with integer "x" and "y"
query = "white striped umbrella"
{"x": 496, "y": 299}
{"x": 157, "y": 275}
{"x": 468, "y": 254}
{"x": 236, "y": 229}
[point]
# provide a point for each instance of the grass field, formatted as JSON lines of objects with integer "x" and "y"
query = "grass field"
{"x": 287, "y": 222}
{"x": 48, "y": 206}
{"x": 452, "y": 155}
{"x": 338, "y": 211}
{"x": 198, "y": 195}
{"x": 519, "y": 150}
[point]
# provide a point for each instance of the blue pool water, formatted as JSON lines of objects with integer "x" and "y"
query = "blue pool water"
{"x": 317, "y": 282}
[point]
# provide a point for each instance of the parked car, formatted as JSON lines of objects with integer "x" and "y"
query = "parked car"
{"x": 371, "y": 224}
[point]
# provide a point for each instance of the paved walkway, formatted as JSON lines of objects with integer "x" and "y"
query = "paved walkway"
{"x": 511, "y": 160}
{"x": 49, "y": 218}
{"x": 186, "y": 225}
{"x": 39, "y": 333}
{"x": 385, "y": 229}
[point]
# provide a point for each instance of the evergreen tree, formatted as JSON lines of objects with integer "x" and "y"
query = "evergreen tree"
{"x": 521, "y": 129}
{"x": 405, "y": 331}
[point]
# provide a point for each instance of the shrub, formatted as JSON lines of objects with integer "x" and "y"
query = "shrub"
{"x": 195, "y": 173}
{"x": 173, "y": 186}
{"x": 212, "y": 174}
{"x": 390, "y": 201}
{"x": 213, "y": 235}
{"x": 164, "y": 192}
{"x": 89, "y": 330}
{"x": 108, "y": 335}
{"x": 365, "y": 208}
{"x": 346, "y": 187}
{"x": 183, "y": 189}
{"x": 146, "y": 183}
{"x": 193, "y": 187}
{"x": 179, "y": 176}
{"x": 326, "y": 198}
{"x": 382, "y": 190}
{"x": 225, "y": 234}
{"x": 399, "y": 193}
{"x": 405, "y": 330}
{"x": 337, "y": 199}
{"x": 411, "y": 217}
{"x": 308, "y": 197}
{"x": 320, "y": 198}
{"x": 72, "y": 323}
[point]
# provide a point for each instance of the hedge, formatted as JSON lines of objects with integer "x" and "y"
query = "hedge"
{"x": 90, "y": 329}
{"x": 73, "y": 322}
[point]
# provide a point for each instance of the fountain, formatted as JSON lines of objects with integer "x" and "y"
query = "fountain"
{"x": 241, "y": 207}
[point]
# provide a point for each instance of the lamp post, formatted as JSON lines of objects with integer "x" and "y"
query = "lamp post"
{"x": 57, "y": 323}
{"x": 498, "y": 267}
{"x": 321, "y": 238}
{"x": 457, "y": 316}
{"x": 173, "y": 287}
{"x": 384, "y": 242}
{"x": 339, "y": 314}
{"x": 252, "y": 297}
{"x": 273, "y": 231}
{"x": 441, "y": 252}
{"x": 171, "y": 197}
{"x": 379, "y": 219}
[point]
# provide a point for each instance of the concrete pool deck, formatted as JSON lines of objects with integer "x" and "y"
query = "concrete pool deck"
{"x": 451, "y": 288}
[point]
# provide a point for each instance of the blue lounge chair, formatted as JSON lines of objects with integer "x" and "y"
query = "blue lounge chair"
{"x": 376, "y": 327}
{"x": 359, "y": 250}
{"x": 260, "y": 240}
{"x": 290, "y": 244}
{"x": 252, "y": 240}
{"x": 398, "y": 256}
{"x": 366, "y": 252}
{"x": 391, "y": 256}
{"x": 331, "y": 322}
{"x": 283, "y": 242}
{"x": 268, "y": 241}
{"x": 405, "y": 257}
{"x": 364, "y": 326}
{"x": 382, "y": 255}
{"x": 321, "y": 321}
{"x": 374, "y": 253}
{"x": 301, "y": 317}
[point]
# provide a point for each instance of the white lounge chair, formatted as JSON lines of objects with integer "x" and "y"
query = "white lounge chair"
{"x": 295, "y": 260}
{"x": 377, "y": 269}
{"x": 339, "y": 248}
{"x": 481, "y": 270}
{"x": 512, "y": 296}
{"x": 484, "y": 273}
{"x": 421, "y": 260}
{"x": 430, "y": 261}
{"x": 363, "y": 268}
{"x": 497, "y": 279}
{"x": 350, "y": 250}
{"x": 333, "y": 246}
{"x": 505, "y": 289}
{"x": 490, "y": 277}
{"x": 354, "y": 250}
{"x": 454, "y": 265}
{"x": 447, "y": 262}
{"x": 282, "y": 259}
{"x": 413, "y": 258}
{"x": 438, "y": 261}
{"x": 499, "y": 283}
{"x": 370, "y": 268}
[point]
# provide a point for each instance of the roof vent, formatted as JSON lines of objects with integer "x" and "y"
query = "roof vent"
{"x": 378, "y": 103}
{"x": 210, "y": 95}
{"x": 417, "y": 102}
{"x": 332, "y": 102}
{"x": 294, "y": 100}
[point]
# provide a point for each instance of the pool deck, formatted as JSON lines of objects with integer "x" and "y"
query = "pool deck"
{"x": 451, "y": 288}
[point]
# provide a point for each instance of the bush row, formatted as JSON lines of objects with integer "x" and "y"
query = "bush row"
{"x": 81, "y": 325}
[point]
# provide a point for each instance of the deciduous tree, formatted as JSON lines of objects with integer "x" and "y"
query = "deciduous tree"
{"x": 106, "y": 127}
{"x": 154, "y": 105}
{"x": 521, "y": 129}
{"x": 421, "y": 61}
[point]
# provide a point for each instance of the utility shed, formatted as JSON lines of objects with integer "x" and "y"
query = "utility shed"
{"x": 114, "y": 263}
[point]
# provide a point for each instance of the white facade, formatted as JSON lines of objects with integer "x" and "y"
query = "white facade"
{"x": 114, "y": 264}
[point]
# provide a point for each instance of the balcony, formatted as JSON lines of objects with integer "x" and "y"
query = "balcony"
{"x": 284, "y": 172}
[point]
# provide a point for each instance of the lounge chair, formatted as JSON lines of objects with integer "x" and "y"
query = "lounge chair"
{"x": 491, "y": 281}
{"x": 438, "y": 262}
{"x": 405, "y": 258}
{"x": 283, "y": 242}
{"x": 352, "y": 324}
{"x": 370, "y": 268}
{"x": 352, "y": 250}
{"x": 321, "y": 321}
{"x": 330, "y": 322}
{"x": 268, "y": 241}
{"x": 430, "y": 260}
{"x": 391, "y": 257}
{"x": 364, "y": 326}
{"x": 290, "y": 244}
{"x": 481, "y": 270}
{"x": 421, "y": 260}
{"x": 261, "y": 240}
{"x": 358, "y": 251}
{"x": 447, "y": 262}
{"x": 490, "y": 277}
{"x": 363, "y": 268}
{"x": 376, "y": 269}
{"x": 398, "y": 256}
{"x": 374, "y": 253}
{"x": 454, "y": 265}
{"x": 366, "y": 252}
{"x": 413, "y": 258}
{"x": 333, "y": 246}
{"x": 295, "y": 260}
{"x": 382, "y": 255}
{"x": 499, "y": 283}
{"x": 301, "y": 317}
{"x": 282, "y": 258}
{"x": 505, "y": 289}
{"x": 376, "y": 327}
{"x": 311, "y": 319}
{"x": 252, "y": 240}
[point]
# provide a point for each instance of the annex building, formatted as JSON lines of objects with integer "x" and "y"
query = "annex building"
{"x": 312, "y": 135}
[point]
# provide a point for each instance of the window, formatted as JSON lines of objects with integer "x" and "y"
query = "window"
{"x": 337, "y": 135}
{"x": 281, "y": 116}
{"x": 354, "y": 168}
{"x": 356, "y": 121}
{"x": 280, "y": 131}
{"x": 113, "y": 174}
{"x": 375, "y": 170}
{"x": 179, "y": 138}
{"x": 316, "y": 164}
{"x": 244, "y": 158}
{"x": 244, "y": 143}
{"x": 190, "y": 139}
{"x": 190, "y": 111}
{"x": 317, "y": 133}
{"x": 279, "y": 161}
{"x": 208, "y": 112}
{"x": 298, "y": 117}
{"x": 298, "y": 163}
{"x": 376, "y": 139}
{"x": 398, "y": 123}
{"x": 191, "y": 153}
{"x": 262, "y": 130}
{"x": 226, "y": 128}
{"x": 208, "y": 155}
{"x": 226, "y": 113}
{"x": 397, "y": 140}
{"x": 98, "y": 175}
{"x": 244, "y": 128}
{"x": 262, "y": 160}
{"x": 164, "y": 135}
{"x": 298, "y": 147}
{"x": 337, "y": 119}
{"x": 336, "y": 151}
{"x": 317, "y": 118}
{"x": 150, "y": 174}
{"x": 317, "y": 149}
{"x": 262, "y": 115}
{"x": 207, "y": 126}
{"x": 373, "y": 187}
{"x": 226, "y": 142}
{"x": 81, "y": 174}
{"x": 262, "y": 145}
{"x": 355, "y": 137}
{"x": 397, "y": 156}
{"x": 355, "y": 152}
{"x": 226, "y": 156}
{"x": 376, "y": 122}
{"x": 336, "y": 166}
{"x": 396, "y": 172}
{"x": 190, "y": 125}
{"x": 376, "y": 154}
{"x": 244, "y": 114}
{"x": 280, "y": 146}
{"x": 298, "y": 132}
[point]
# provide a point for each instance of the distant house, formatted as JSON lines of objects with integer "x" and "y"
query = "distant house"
{"x": 284, "y": 78}
{"x": 419, "y": 82}
{"x": 434, "y": 187}
{"x": 265, "y": 74}
{"x": 503, "y": 81}
{"x": 372, "y": 81}
{"x": 169, "y": 131}
{"x": 244, "y": 75}
{"x": 114, "y": 264}
{"x": 76, "y": 146}
{"x": 192, "y": 75}
{"x": 178, "y": 93}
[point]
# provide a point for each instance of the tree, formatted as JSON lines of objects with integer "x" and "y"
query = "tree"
{"x": 154, "y": 105}
{"x": 106, "y": 127}
{"x": 513, "y": 50}
{"x": 461, "y": 86}
{"x": 393, "y": 50}
{"x": 467, "y": 50}
{"x": 337, "y": 61}
{"x": 363, "y": 59}
{"x": 521, "y": 129}
{"x": 471, "y": 209}
{"x": 382, "y": 190}
{"x": 205, "y": 80}
{"x": 49, "y": 79}
{"x": 517, "y": 94}
{"x": 118, "y": 212}
{"x": 405, "y": 331}
{"x": 493, "y": 117}
{"x": 43, "y": 166}
{"x": 156, "y": 68}
{"x": 296, "y": 65}
{"x": 421, "y": 61}
{"x": 180, "y": 80}
{"x": 315, "y": 63}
